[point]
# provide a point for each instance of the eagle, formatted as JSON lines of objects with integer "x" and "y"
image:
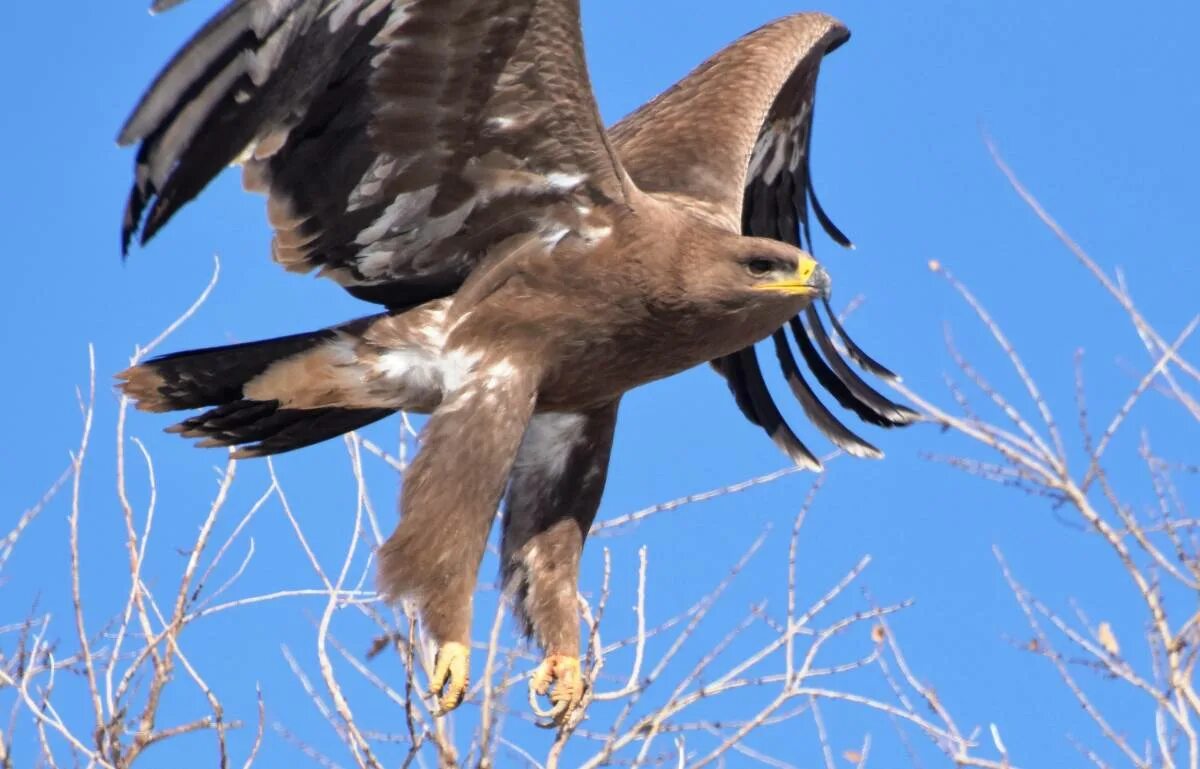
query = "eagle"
{"x": 445, "y": 160}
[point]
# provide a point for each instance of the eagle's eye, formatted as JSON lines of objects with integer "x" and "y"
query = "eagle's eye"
{"x": 759, "y": 267}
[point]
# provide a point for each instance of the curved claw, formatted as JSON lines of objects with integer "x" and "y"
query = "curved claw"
{"x": 559, "y": 677}
{"x": 449, "y": 681}
{"x": 553, "y": 716}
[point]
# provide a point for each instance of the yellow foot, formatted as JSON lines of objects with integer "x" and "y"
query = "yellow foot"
{"x": 449, "y": 682}
{"x": 560, "y": 677}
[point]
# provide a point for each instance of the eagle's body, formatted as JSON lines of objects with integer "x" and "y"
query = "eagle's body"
{"x": 444, "y": 158}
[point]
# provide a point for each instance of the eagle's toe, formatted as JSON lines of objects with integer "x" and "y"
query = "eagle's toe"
{"x": 559, "y": 677}
{"x": 449, "y": 682}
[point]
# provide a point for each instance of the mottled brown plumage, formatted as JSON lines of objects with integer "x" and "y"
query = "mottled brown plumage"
{"x": 445, "y": 158}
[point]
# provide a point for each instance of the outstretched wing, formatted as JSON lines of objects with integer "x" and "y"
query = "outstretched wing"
{"x": 398, "y": 141}
{"x": 731, "y": 140}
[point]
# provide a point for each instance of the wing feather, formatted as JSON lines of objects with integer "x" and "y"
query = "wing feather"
{"x": 847, "y": 387}
{"x": 744, "y": 376}
{"x": 732, "y": 140}
{"x": 814, "y": 409}
{"x": 398, "y": 141}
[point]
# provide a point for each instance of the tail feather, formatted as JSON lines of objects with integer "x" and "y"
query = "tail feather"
{"x": 215, "y": 378}
{"x": 211, "y": 376}
{"x": 269, "y": 429}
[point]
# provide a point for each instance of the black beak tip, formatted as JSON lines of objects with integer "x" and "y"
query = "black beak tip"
{"x": 822, "y": 282}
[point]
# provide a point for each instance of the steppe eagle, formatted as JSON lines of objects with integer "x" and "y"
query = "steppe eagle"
{"x": 445, "y": 159}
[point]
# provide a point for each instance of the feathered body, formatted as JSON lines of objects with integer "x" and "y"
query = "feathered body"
{"x": 445, "y": 159}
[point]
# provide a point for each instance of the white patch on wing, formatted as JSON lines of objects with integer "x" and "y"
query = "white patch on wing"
{"x": 340, "y": 12}
{"x": 778, "y": 146}
{"x": 401, "y": 209}
{"x": 433, "y": 332}
{"x": 552, "y": 235}
{"x": 500, "y": 371}
{"x": 404, "y": 227}
{"x": 396, "y": 19}
{"x": 414, "y": 372}
{"x": 426, "y": 373}
{"x": 457, "y": 366}
{"x": 369, "y": 186}
{"x": 561, "y": 181}
{"x": 799, "y": 137}
{"x": 594, "y": 234}
{"x": 765, "y": 143}
{"x": 778, "y": 157}
{"x": 548, "y": 442}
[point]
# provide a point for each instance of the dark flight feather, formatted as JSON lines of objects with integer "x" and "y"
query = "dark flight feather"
{"x": 769, "y": 416}
{"x": 814, "y": 409}
{"x": 887, "y": 412}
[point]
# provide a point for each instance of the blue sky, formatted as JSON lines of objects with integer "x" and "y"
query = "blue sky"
{"x": 1095, "y": 109}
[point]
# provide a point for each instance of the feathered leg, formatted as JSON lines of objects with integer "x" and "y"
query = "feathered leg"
{"x": 448, "y": 501}
{"x": 553, "y": 496}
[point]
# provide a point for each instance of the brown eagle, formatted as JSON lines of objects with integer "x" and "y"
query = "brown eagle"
{"x": 445, "y": 159}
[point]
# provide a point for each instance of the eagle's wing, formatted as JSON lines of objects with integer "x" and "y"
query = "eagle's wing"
{"x": 398, "y": 141}
{"x": 731, "y": 140}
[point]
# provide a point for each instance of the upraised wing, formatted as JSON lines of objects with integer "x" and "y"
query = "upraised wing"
{"x": 397, "y": 141}
{"x": 732, "y": 140}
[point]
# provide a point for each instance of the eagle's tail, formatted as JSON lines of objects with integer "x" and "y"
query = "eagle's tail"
{"x": 216, "y": 379}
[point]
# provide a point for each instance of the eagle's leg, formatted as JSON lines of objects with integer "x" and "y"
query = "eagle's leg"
{"x": 448, "y": 501}
{"x": 553, "y": 496}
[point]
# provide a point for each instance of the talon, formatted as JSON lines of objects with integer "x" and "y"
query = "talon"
{"x": 449, "y": 682}
{"x": 561, "y": 679}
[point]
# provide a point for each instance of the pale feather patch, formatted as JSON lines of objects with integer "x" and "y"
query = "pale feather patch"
{"x": 324, "y": 376}
{"x": 800, "y": 130}
{"x": 778, "y": 146}
{"x": 401, "y": 209}
{"x": 397, "y": 19}
{"x": 457, "y": 367}
{"x": 262, "y": 148}
{"x": 400, "y": 362}
{"x": 412, "y": 366}
{"x": 500, "y": 371}
{"x": 595, "y": 234}
{"x": 291, "y": 258}
{"x": 144, "y": 385}
{"x": 433, "y": 331}
{"x": 403, "y": 228}
{"x": 340, "y": 12}
{"x": 562, "y": 181}
{"x": 413, "y": 373}
{"x": 551, "y": 235}
{"x": 548, "y": 443}
{"x": 369, "y": 186}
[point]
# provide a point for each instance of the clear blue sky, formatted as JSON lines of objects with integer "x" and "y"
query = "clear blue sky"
{"x": 1094, "y": 105}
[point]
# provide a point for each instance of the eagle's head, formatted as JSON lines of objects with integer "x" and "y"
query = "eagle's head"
{"x": 780, "y": 270}
{"x": 741, "y": 289}
{"x": 759, "y": 276}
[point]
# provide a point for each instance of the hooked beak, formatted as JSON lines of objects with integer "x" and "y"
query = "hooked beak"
{"x": 810, "y": 279}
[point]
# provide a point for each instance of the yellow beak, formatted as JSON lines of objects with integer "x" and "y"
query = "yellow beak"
{"x": 810, "y": 279}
